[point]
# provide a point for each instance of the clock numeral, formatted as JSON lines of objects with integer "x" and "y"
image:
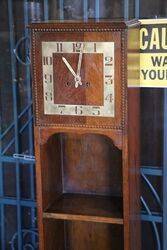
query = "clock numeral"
{"x": 61, "y": 108}
{"x": 95, "y": 110}
{"x": 47, "y": 60}
{"x": 109, "y": 98}
{"x": 77, "y": 47}
{"x": 47, "y": 78}
{"x": 108, "y": 61}
{"x": 108, "y": 79}
{"x": 59, "y": 47}
{"x": 78, "y": 110}
{"x": 95, "y": 47}
{"x": 48, "y": 96}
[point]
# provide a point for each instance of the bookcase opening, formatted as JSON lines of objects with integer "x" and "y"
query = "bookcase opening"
{"x": 82, "y": 178}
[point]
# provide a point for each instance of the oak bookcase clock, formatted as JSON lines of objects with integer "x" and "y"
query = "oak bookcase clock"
{"x": 87, "y": 134}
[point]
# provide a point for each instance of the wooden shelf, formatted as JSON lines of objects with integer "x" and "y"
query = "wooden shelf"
{"x": 81, "y": 207}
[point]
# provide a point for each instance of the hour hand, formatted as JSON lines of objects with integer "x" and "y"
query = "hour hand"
{"x": 69, "y": 67}
{"x": 77, "y": 77}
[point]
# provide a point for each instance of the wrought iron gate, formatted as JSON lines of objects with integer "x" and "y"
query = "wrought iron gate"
{"x": 17, "y": 182}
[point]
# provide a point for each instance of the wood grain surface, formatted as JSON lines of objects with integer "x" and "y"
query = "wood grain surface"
{"x": 87, "y": 168}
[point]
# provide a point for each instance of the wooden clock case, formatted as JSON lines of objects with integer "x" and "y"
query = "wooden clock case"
{"x": 87, "y": 168}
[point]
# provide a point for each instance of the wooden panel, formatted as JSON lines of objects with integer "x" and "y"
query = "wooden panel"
{"x": 54, "y": 237}
{"x": 39, "y": 187}
{"x": 91, "y": 92}
{"x": 51, "y": 170}
{"x": 116, "y": 136}
{"x": 134, "y": 169}
{"x": 86, "y": 208}
{"x": 80, "y": 164}
{"x": 133, "y": 144}
{"x": 91, "y": 164}
{"x": 93, "y": 236}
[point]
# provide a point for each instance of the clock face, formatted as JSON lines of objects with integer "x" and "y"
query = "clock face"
{"x": 78, "y": 78}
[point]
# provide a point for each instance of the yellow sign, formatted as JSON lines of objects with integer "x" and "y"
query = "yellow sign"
{"x": 153, "y": 53}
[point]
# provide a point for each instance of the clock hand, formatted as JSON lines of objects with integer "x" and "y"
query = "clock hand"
{"x": 80, "y": 61}
{"x": 69, "y": 67}
{"x": 77, "y": 77}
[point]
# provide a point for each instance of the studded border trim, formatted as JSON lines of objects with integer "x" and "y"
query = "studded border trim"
{"x": 123, "y": 78}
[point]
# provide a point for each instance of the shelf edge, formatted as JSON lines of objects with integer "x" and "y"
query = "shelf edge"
{"x": 87, "y": 218}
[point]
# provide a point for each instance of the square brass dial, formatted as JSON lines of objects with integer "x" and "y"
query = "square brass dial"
{"x": 95, "y": 95}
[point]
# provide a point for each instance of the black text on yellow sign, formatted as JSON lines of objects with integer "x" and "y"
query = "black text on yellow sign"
{"x": 153, "y": 53}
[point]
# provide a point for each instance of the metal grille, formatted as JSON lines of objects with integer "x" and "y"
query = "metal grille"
{"x": 17, "y": 180}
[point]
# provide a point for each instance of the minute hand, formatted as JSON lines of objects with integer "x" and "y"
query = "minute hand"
{"x": 79, "y": 64}
{"x": 80, "y": 61}
{"x": 69, "y": 67}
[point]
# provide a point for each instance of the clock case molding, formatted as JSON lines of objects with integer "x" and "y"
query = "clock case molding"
{"x": 122, "y": 132}
{"x": 55, "y": 31}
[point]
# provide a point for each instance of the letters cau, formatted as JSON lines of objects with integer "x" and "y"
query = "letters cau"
{"x": 153, "y": 38}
